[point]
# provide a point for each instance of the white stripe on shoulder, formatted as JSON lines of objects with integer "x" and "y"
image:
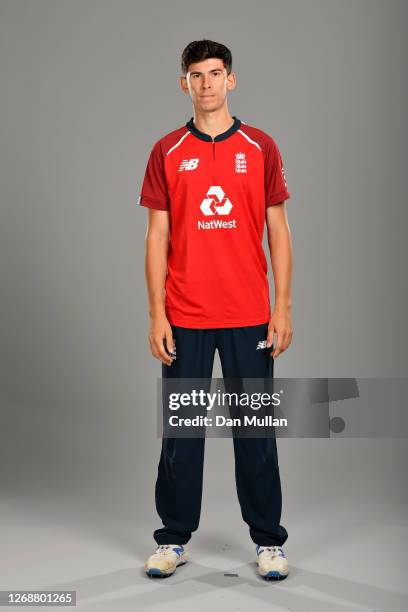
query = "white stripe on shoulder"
{"x": 179, "y": 142}
{"x": 250, "y": 139}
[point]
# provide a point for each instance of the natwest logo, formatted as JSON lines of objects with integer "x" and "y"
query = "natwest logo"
{"x": 216, "y": 202}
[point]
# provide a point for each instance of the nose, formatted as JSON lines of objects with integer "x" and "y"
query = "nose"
{"x": 206, "y": 81}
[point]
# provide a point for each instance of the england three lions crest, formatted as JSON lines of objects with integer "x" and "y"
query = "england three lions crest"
{"x": 240, "y": 162}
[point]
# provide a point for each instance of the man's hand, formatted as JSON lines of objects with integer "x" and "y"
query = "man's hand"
{"x": 280, "y": 323}
{"x": 160, "y": 328}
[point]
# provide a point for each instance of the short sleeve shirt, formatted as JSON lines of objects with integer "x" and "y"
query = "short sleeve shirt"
{"x": 216, "y": 191}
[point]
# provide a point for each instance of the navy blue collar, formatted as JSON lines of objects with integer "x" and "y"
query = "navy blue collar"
{"x": 194, "y": 130}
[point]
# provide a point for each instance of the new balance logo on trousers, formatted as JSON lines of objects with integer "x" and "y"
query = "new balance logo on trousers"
{"x": 261, "y": 344}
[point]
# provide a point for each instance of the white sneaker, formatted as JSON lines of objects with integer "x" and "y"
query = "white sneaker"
{"x": 272, "y": 563}
{"x": 164, "y": 561}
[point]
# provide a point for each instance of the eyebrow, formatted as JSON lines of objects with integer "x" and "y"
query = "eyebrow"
{"x": 213, "y": 70}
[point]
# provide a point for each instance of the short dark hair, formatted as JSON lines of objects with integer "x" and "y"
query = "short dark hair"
{"x": 200, "y": 50}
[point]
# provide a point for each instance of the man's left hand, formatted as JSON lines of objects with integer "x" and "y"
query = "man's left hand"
{"x": 280, "y": 324}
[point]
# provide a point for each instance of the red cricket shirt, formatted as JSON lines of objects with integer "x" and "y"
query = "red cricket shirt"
{"x": 216, "y": 192}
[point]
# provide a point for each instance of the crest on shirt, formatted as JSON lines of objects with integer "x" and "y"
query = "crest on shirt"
{"x": 240, "y": 162}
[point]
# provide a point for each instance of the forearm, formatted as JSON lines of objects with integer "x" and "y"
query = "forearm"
{"x": 156, "y": 272}
{"x": 280, "y": 246}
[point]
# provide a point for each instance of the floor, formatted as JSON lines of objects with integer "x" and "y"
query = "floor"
{"x": 344, "y": 554}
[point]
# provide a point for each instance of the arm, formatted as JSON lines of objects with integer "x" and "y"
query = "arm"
{"x": 280, "y": 246}
{"x": 157, "y": 245}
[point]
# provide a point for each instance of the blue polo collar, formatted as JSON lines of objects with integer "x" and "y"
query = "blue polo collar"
{"x": 194, "y": 130}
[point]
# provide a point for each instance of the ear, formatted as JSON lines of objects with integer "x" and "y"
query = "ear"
{"x": 231, "y": 81}
{"x": 183, "y": 84}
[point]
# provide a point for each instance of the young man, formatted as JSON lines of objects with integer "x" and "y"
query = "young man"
{"x": 210, "y": 185}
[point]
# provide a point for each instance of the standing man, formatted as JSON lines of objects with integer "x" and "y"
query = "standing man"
{"x": 210, "y": 186}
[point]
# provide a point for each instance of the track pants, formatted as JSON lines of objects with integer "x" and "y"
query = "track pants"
{"x": 178, "y": 490}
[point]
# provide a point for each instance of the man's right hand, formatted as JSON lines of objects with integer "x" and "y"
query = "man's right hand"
{"x": 160, "y": 329}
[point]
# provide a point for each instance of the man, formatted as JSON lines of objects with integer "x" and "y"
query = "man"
{"x": 210, "y": 185}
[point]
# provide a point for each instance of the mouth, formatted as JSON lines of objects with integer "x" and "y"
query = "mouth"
{"x": 206, "y": 97}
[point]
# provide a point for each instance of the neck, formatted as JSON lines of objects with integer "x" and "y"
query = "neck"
{"x": 214, "y": 122}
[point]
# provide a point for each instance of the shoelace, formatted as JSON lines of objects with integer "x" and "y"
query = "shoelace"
{"x": 275, "y": 551}
{"x": 163, "y": 549}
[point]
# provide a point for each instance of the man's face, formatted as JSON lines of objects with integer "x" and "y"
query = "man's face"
{"x": 207, "y": 83}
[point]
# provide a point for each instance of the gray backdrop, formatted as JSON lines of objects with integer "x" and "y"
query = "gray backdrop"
{"x": 86, "y": 88}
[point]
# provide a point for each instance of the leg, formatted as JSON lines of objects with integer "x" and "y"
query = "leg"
{"x": 256, "y": 459}
{"x": 179, "y": 482}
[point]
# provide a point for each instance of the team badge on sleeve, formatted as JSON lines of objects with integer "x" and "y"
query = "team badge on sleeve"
{"x": 283, "y": 175}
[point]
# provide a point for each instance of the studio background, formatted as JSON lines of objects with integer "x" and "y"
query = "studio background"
{"x": 87, "y": 88}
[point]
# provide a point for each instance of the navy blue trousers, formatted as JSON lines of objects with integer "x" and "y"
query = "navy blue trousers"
{"x": 178, "y": 490}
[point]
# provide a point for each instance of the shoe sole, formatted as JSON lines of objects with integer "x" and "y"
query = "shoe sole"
{"x": 156, "y": 572}
{"x": 274, "y": 575}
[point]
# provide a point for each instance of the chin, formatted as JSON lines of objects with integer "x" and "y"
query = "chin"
{"x": 209, "y": 104}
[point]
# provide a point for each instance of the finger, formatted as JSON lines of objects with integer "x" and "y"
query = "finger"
{"x": 154, "y": 350}
{"x": 279, "y": 345}
{"x": 288, "y": 340}
{"x": 282, "y": 344}
{"x": 161, "y": 352}
{"x": 169, "y": 340}
{"x": 269, "y": 338}
{"x": 152, "y": 347}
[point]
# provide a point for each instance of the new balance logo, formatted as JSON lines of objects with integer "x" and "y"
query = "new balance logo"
{"x": 240, "y": 162}
{"x": 189, "y": 164}
{"x": 261, "y": 345}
